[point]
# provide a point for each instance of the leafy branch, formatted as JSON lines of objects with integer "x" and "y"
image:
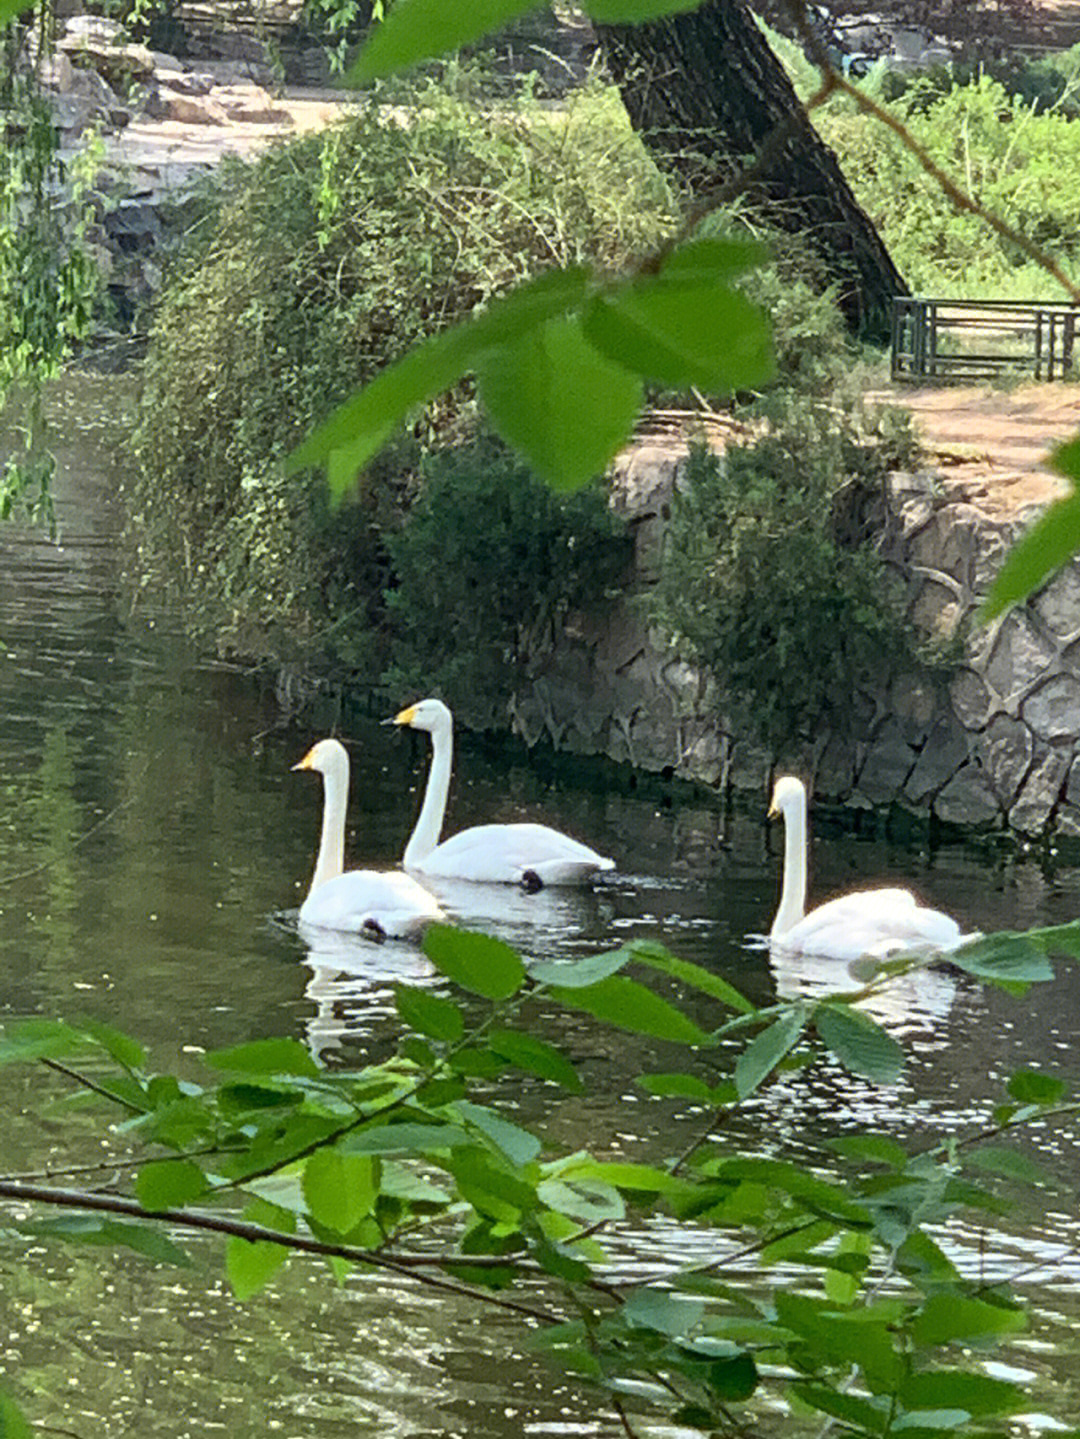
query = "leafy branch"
{"x": 425, "y": 1147}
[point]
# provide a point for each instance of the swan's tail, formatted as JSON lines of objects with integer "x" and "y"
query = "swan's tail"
{"x": 567, "y": 871}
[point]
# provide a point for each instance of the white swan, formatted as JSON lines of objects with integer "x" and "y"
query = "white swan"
{"x": 873, "y": 921}
{"x": 361, "y": 901}
{"x": 532, "y": 855}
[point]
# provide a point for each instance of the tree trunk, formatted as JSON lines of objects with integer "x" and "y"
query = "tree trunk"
{"x": 706, "y": 94}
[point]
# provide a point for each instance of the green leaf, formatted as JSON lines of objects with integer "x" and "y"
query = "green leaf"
{"x": 251, "y": 1266}
{"x": 869, "y": 1415}
{"x": 565, "y": 407}
{"x": 818, "y": 1195}
{"x": 629, "y": 1005}
{"x": 363, "y": 423}
{"x": 860, "y": 1044}
{"x": 429, "y": 1013}
{"x": 41, "y": 1039}
{"x": 8, "y": 10}
{"x": 952, "y": 1318}
{"x": 634, "y": 12}
{"x": 1029, "y": 1086}
{"x": 404, "y": 1139}
{"x": 491, "y": 1188}
{"x": 684, "y": 326}
{"x": 169, "y": 1183}
{"x": 535, "y": 1056}
{"x": 478, "y": 963}
{"x": 242, "y": 1099}
{"x": 579, "y": 973}
{"x": 12, "y": 1423}
{"x": 97, "y": 1229}
{"x": 1009, "y": 1163}
{"x": 1052, "y": 540}
{"x": 437, "y": 1092}
{"x": 416, "y": 30}
{"x": 659, "y": 1309}
{"x": 874, "y": 1148}
{"x": 676, "y": 1086}
{"x": 519, "y": 1146}
{"x": 835, "y": 1337}
{"x": 266, "y": 1056}
{"x": 648, "y": 952}
{"x": 588, "y": 1200}
{"x": 124, "y": 1050}
{"x": 978, "y": 1394}
{"x": 733, "y": 1379}
{"x": 284, "y": 1141}
{"x": 764, "y": 1053}
{"x": 645, "y": 1177}
{"x": 339, "y": 1188}
{"x": 1059, "y": 938}
{"x": 1005, "y": 957}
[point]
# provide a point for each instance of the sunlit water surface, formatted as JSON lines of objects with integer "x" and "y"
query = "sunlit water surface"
{"x": 154, "y": 845}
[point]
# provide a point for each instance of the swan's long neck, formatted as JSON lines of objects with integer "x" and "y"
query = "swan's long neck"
{"x": 331, "y": 860}
{"x": 793, "y": 892}
{"x": 425, "y": 836}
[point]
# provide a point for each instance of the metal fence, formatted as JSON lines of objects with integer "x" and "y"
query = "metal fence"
{"x": 980, "y": 339}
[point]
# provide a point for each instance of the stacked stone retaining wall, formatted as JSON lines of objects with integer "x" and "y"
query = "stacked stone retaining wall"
{"x": 996, "y": 745}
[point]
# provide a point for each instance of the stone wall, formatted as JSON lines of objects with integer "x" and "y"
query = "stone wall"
{"x": 996, "y": 745}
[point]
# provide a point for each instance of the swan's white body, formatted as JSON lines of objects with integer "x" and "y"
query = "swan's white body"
{"x": 878, "y": 922}
{"x": 360, "y": 901}
{"x": 531, "y": 854}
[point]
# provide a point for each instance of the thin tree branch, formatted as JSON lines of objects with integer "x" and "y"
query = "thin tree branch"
{"x": 404, "y": 1264}
{"x": 88, "y": 1083}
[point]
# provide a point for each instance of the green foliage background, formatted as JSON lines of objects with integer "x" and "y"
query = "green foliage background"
{"x": 1018, "y": 158}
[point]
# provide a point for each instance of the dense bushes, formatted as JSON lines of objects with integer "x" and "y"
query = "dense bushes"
{"x": 307, "y": 273}
{"x": 488, "y": 556}
{"x": 768, "y": 579}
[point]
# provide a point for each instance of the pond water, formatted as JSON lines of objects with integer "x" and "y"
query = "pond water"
{"x": 154, "y": 844}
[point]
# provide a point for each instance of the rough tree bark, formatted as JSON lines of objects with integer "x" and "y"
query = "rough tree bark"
{"x": 707, "y": 94}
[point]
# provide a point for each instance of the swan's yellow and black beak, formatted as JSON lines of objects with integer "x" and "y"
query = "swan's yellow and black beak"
{"x": 306, "y": 763}
{"x": 774, "y": 809}
{"x": 405, "y": 716}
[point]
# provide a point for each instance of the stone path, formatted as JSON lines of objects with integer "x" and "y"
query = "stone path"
{"x": 991, "y": 446}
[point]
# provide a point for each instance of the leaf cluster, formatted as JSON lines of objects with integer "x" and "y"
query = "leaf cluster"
{"x": 1016, "y": 159}
{"x": 284, "y": 1156}
{"x": 313, "y": 270}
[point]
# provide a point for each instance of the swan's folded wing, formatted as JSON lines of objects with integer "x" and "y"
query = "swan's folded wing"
{"x": 876, "y": 921}
{"x": 503, "y": 853}
{"x": 363, "y": 898}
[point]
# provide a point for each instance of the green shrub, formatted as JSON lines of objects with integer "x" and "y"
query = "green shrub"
{"x": 489, "y": 556}
{"x": 768, "y": 579}
{"x": 1022, "y": 165}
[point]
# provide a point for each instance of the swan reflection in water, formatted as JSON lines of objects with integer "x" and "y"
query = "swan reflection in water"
{"x": 352, "y": 978}
{"x": 352, "y": 981}
{"x": 913, "y": 1003}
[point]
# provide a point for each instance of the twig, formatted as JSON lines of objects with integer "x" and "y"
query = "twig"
{"x": 624, "y": 1420}
{"x": 88, "y": 1083}
{"x": 413, "y": 1265}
